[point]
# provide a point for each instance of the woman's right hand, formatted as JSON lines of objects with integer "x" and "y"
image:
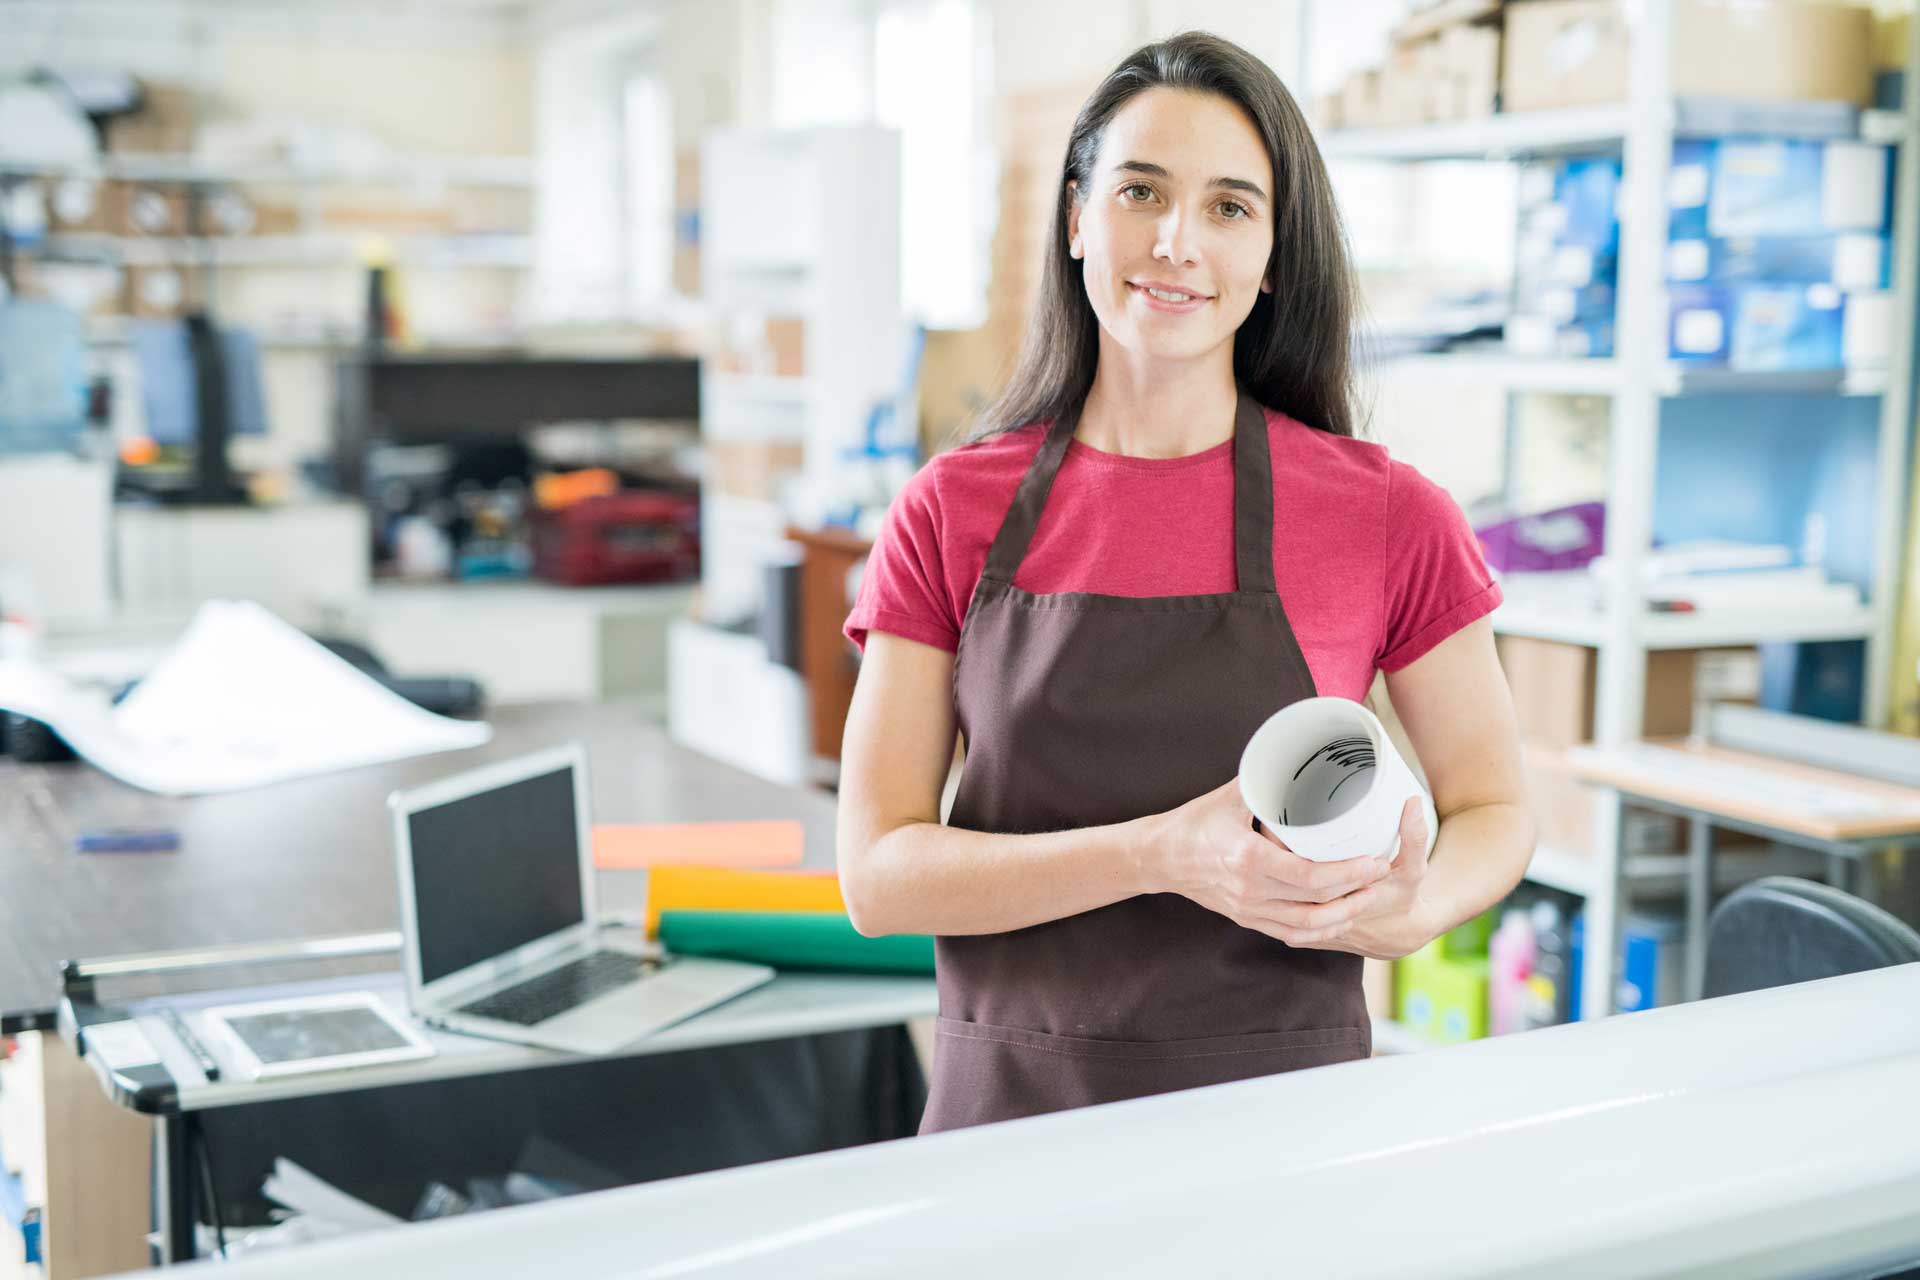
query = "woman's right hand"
{"x": 1209, "y": 850}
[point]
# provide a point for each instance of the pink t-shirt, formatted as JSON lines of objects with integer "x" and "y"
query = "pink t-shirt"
{"x": 1374, "y": 563}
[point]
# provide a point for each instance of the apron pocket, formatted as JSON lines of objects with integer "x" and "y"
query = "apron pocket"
{"x": 983, "y": 1073}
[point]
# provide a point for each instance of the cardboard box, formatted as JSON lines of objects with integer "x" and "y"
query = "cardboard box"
{"x": 1787, "y": 50}
{"x": 1570, "y": 53}
{"x": 156, "y": 293}
{"x": 1360, "y": 99}
{"x": 1563, "y": 53}
{"x": 83, "y": 204}
{"x": 787, "y": 336}
{"x": 232, "y": 212}
{"x": 751, "y": 468}
{"x": 143, "y": 209}
{"x": 164, "y": 124}
{"x": 1554, "y": 684}
{"x": 686, "y": 221}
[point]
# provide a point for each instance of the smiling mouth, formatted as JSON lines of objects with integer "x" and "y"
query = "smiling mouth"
{"x": 1176, "y": 296}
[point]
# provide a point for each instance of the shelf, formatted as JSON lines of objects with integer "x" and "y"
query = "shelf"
{"x": 415, "y": 171}
{"x": 1599, "y": 128}
{"x": 1710, "y": 629}
{"x": 1510, "y": 373}
{"x": 1693, "y": 380}
{"x": 329, "y": 249}
{"x": 1501, "y": 137}
{"x": 1720, "y": 628}
{"x": 1558, "y": 869}
{"x": 1604, "y": 376}
{"x": 762, "y": 386}
{"x": 1655, "y": 873}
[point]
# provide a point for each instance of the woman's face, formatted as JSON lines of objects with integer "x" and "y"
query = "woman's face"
{"x": 1179, "y": 201}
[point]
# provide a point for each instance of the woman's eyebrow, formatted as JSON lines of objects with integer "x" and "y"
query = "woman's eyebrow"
{"x": 1155, "y": 171}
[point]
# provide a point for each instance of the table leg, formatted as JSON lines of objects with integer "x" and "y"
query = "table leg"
{"x": 1840, "y": 872}
{"x": 97, "y": 1202}
{"x": 1699, "y": 901}
{"x": 173, "y": 1186}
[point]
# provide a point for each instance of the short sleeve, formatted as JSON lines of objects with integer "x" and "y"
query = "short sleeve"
{"x": 1436, "y": 576}
{"x": 903, "y": 588}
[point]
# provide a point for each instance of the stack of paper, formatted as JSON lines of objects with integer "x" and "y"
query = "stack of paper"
{"x": 241, "y": 701}
{"x": 1703, "y": 575}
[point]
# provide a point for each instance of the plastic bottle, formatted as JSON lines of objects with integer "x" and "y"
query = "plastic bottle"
{"x": 1548, "y": 989}
{"x": 1510, "y": 960}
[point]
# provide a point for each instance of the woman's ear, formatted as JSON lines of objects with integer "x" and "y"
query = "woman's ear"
{"x": 1074, "y": 248}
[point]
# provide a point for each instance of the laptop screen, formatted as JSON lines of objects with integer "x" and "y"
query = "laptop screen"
{"x": 495, "y": 871}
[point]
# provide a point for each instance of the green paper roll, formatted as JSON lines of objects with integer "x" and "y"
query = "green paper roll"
{"x": 793, "y": 940}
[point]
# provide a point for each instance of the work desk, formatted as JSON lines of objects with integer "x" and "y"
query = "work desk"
{"x": 313, "y": 858}
{"x": 308, "y": 858}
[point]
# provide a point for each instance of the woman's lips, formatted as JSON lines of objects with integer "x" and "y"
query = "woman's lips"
{"x": 1192, "y": 303}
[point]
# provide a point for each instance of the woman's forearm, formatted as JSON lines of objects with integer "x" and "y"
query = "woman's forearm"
{"x": 1481, "y": 855}
{"x": 925, "y": 877}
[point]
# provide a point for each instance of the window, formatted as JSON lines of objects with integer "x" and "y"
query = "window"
{"x": 921, "y": 67}
{"x": 646, "y": 154}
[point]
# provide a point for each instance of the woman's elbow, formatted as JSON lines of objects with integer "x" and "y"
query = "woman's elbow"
{"x": 857, "y": 892}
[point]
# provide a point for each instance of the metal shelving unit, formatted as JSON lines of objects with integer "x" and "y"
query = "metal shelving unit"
{"x": 1603, "y": 376}
{"x": 1636, "y": 381}
{"x": 415, "y": 171}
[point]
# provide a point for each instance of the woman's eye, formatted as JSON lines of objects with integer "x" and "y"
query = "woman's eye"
{"x": 1132, "y": 187}
{"x": 1237, "y": 210}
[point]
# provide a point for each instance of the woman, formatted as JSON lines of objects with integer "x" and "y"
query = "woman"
{"x": 1091, "y": 592}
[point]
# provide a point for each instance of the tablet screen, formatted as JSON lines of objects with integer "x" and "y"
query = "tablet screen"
{"x": 296, "y": 1035}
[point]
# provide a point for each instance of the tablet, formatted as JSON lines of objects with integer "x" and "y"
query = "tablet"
{"x": 315, "y": 1033}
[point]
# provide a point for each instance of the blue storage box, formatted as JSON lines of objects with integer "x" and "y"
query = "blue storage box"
{"x": 1699, "y": 323}
{"x": 1650, "y": 970}
{"x": 1787, "y": 327}
{"x": 1587, "y": 191}
{"x": 1777, "y": 187}
{"x": 1851, "y": 260}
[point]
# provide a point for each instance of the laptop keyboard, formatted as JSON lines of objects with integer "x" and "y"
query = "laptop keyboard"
{"x": 558, "y": 990}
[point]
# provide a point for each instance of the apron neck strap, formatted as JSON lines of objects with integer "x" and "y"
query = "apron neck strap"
{"x": 1252, "y": 499}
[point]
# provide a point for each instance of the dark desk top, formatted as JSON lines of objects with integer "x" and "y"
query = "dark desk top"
{"x": 307, "y": 858}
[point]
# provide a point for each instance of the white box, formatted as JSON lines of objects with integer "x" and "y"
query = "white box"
{"x": 726, "y": 699}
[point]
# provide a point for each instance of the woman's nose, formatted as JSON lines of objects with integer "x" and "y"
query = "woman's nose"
{"x": 1173, "y": 242}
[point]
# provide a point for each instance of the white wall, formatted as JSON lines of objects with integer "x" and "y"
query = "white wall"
{"x": 1038, "y": 46}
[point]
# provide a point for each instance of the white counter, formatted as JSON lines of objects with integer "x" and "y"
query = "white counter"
{"x": 1773, "y": 1133}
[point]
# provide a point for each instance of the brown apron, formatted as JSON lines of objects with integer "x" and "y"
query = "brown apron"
{"x": 1080, "y": 710}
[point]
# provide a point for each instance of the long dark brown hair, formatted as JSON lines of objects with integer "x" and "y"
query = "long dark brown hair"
{"x": 1294, "y": 351}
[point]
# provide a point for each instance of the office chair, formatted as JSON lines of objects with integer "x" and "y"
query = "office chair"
{"x": 1780, "y": 930}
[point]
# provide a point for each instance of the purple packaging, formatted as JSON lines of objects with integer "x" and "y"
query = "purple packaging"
{"x": 1564, "y": 538}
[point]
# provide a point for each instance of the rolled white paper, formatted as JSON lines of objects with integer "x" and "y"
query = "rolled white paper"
{"x": 1323, "y": 776}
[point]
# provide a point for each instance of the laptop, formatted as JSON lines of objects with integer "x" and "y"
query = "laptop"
{"x": 497, "y": 910}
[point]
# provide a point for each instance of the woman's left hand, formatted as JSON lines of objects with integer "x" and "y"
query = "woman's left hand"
{"x": 1396, "y": 919}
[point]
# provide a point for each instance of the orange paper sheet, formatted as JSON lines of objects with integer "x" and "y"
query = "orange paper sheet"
{"x": 630, "y": 846}
{"x": 671, "y": 888}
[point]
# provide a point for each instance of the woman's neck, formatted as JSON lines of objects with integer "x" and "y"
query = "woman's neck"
{"x": 1158, "y": 408}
